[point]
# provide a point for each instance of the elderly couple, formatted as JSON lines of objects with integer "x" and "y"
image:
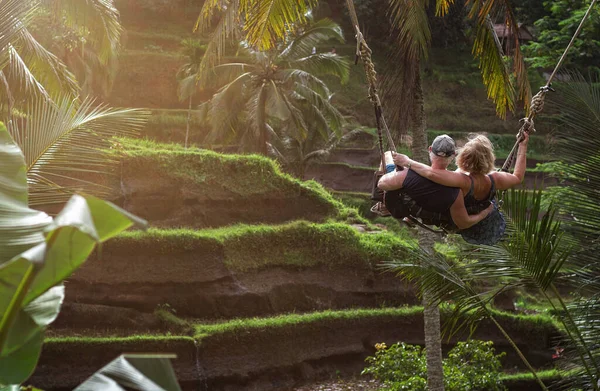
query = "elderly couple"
{"x": 463, "y": 198}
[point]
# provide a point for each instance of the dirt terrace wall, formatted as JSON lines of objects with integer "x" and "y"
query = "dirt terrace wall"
{"x": 274, "y": 358}
{"x": 196, "y": 277}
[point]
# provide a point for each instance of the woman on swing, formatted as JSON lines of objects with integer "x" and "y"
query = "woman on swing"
{"x": 477, "y": 179}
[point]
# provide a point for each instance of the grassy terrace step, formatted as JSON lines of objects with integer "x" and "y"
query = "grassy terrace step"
{"x": 279, "y": 351}
{"x": 240, "y": 271}
{"x": 174, "y": 187}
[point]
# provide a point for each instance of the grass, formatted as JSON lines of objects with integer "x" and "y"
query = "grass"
{"x": 550, "y": 374}
{"x": 239, "y": 326}
{"x": 292, "y": 320}
{"x": 299, "y": 244}
{"x": 238, "y": 175}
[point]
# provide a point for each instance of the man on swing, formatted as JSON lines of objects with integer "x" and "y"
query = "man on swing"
{"x": 436, "y": 204}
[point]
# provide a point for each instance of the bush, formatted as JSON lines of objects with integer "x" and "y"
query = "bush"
{"x": 470, "y": 366}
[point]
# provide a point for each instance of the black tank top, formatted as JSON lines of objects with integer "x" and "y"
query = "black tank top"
{"x": 427, "y": 194}
{"x": 474, "y": 205}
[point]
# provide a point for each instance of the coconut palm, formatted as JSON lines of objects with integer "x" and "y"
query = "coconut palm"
{"x": 279, "y": 89}
{"x": 28, "y": 67}
{"x": 544, "y": 248}
{"x": 193, "y": 51}
{"x": 59, "y": 132}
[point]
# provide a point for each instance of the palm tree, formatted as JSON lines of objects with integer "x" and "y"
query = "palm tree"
{"x": 278, "y": 89}
{"x": 404, "y": 93}
{"x": 265, "y": 21}
{"x": 58, "y": 131}
{"x": 193, "y": 50}
{"x": 544, "y": 248}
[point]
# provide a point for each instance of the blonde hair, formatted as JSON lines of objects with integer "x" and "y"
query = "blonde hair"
{"x": 477, "y": 156}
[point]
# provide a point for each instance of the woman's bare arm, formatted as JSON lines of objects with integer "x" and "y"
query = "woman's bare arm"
{"x": 461, "y": 218}
{"x": 506, "y": 180}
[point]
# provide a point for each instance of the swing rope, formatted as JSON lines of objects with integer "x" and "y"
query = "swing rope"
{"x": 537, "y": 102}
{"x": 364, "y": 53}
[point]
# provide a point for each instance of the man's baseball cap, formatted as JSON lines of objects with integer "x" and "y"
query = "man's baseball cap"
{"x": 443, "y": 146}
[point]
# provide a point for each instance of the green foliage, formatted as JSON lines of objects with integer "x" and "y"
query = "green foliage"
{"x": 277, "y": 97}
{"x": 556, "y": 29}
{"x": 237, "y": 326}
{"x": 539, "y": 147}
{"x": 471, "y": 365}
{"x": 36, "y": 254}
{"x": 247, "y": 175}
{"x": 298, "y": 244}
{"x": 43, "y": 63}
{"x": 138, "y": 371}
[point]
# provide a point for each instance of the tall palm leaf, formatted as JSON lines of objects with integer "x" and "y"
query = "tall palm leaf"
{"x": 15, "y": 13}
{"x": 578, "y": 103}
{"x": 62, "y": 141}
{"x": 265, "y": 23}
{"x": 409, "y": 20}
{"x": 98, "y": 17}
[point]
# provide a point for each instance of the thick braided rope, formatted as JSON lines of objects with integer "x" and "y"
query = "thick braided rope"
{"x": 365, "y": 55}
{"x": 364, "y": 52}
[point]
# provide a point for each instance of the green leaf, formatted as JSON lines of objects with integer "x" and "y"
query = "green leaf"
{"x": 67, "y": 140}
{"x": 268, "y": 21}
{"x": 27, "y": 279}
{"x": 33, "y": 318}
{"x": 139, "y": 372}
{"x": 19, "y": 365}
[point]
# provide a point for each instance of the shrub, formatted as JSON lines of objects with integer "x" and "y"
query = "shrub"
{"x": 470, "y": 366}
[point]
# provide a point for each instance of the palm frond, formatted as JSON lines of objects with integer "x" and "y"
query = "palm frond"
{"x": 49, "y": 71}
{"x": 227, "y": 28}
{"x": 577, "y": 144}
{"x": 324, "y": 106}
{"x": 208, "y": 11}
{"x": 64, "y": 142}
{"x": 482, "y": 11}
{"x": 399, "y": 76}
{"x": 488, "y": 50}
{"x": 315, "y": 34}
{"x": 268, "y": 21}
{"x": 20, "y": 83}
{"x": 442, "y": 7}
{"x": 307, "y": 79}
{"x": 100, "y": 18}
{"x": 409, "y": 18}
{"x": 15, "y": 14}
{"x": 322, "y": 64}
{"x": 225, "y": 107}
{"x": 187, "y": 87}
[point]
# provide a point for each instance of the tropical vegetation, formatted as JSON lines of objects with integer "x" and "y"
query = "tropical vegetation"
{"x": 471, "y": 365}
{"x": 278, "y": 93}
{"x": 60, "y": 129}
{"x": 545, "y": 249}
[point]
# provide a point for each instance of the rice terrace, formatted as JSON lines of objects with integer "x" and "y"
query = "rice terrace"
{"x": 309, "y": 195}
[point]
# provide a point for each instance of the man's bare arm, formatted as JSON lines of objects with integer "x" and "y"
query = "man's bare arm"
{"x": 392, "y": 180}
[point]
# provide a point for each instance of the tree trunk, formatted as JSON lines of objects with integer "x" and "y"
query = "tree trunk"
{"x": 433, "y": 339}
{"x": 187, "y": 129}
{"x": 261, "y": 119}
